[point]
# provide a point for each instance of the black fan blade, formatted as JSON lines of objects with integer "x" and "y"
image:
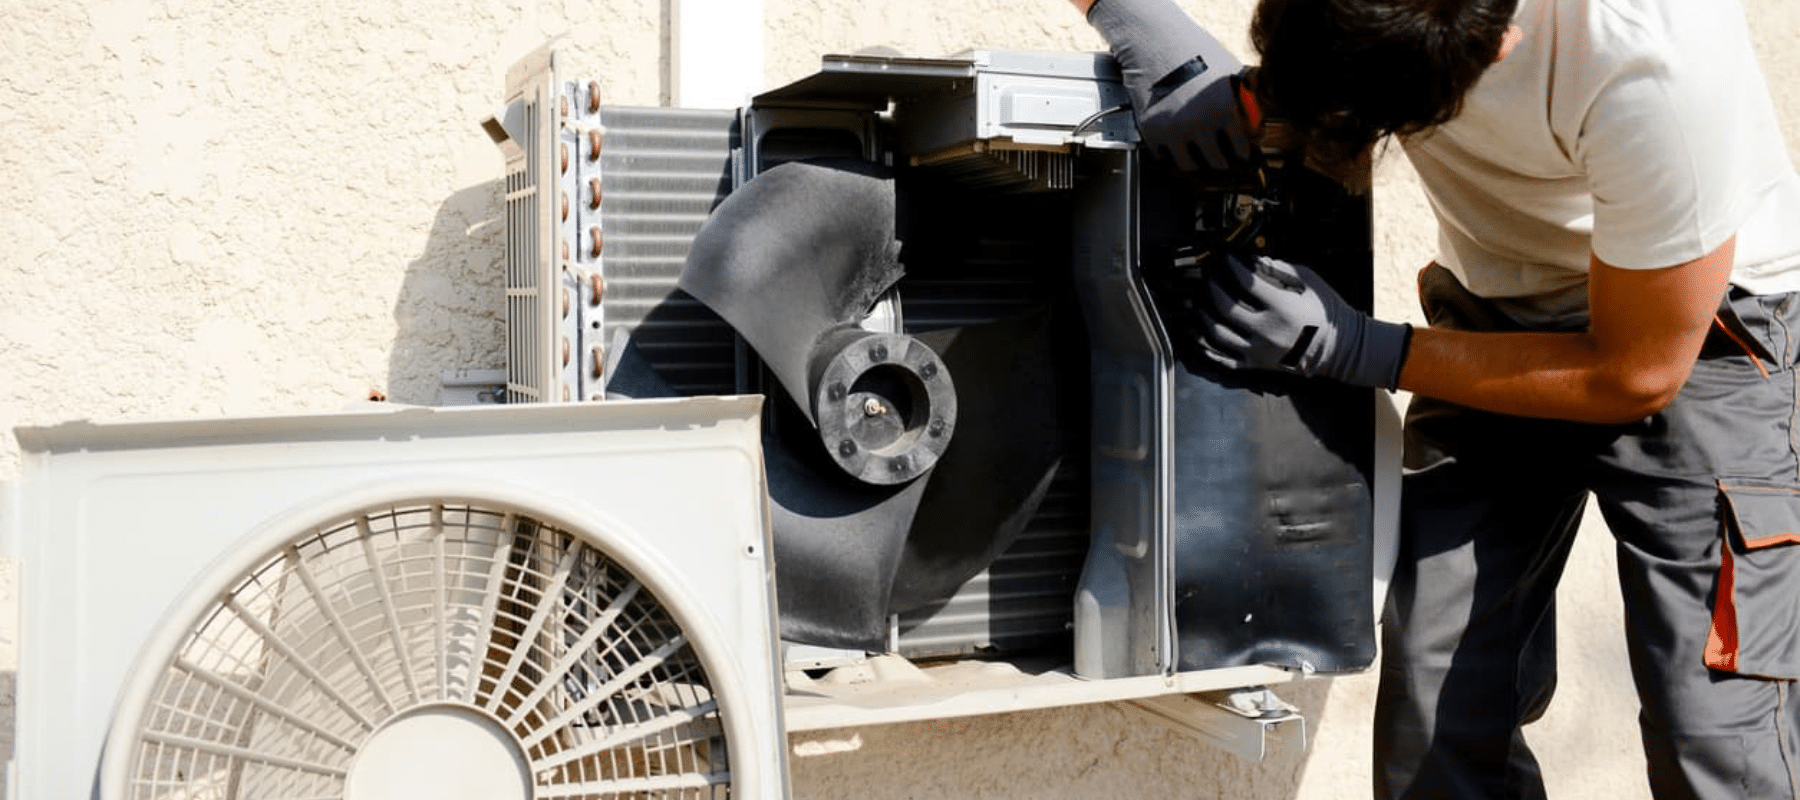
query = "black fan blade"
{"x": 993, "y": 477}
{"x": 837, "y": 546}
{"x": 837, "y": 541}
{"x": 793, "y": 260}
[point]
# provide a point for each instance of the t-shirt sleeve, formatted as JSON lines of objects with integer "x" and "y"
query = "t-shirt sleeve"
{"x": 1665, "y": 151}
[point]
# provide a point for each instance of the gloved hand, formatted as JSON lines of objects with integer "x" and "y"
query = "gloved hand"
{"x": 1266, "y": 314}
{"x": 1180, "y": 80}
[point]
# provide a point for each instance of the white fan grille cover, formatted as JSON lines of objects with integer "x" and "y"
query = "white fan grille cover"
{"x": 455, "y": 604}
{"x": 301, "y": 681}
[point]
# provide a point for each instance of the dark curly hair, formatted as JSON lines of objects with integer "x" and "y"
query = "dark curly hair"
{"x": 1343, "y": 74}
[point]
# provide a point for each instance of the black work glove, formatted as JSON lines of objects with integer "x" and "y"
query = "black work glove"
{"x": 1181, "y": 83}
{"x": 1261, "y": 313}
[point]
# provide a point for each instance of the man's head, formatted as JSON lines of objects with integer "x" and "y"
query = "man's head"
{"x": 1342, "y": 74}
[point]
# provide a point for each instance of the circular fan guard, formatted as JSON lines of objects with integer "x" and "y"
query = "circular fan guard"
{"x": 408, "y": 648}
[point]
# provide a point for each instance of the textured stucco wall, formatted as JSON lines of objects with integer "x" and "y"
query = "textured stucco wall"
{"x": 221, "y": 208}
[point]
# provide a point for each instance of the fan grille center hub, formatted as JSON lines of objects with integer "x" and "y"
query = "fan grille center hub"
{"x": 440, "y": 753}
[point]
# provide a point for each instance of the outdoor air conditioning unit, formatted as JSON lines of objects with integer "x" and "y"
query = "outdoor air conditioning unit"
{"x": 983, "y": 462}
{"x": 963, "y": 291}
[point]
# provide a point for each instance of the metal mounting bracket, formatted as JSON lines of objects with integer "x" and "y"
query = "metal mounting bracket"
{"x": 1249, "y": 723}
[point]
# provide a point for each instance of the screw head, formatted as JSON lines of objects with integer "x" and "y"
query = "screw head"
{"x": 878, "y": 353}
{"x": 846, "y": 448}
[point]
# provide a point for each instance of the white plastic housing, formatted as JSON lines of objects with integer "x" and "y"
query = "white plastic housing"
{"x": 127, "y": 532}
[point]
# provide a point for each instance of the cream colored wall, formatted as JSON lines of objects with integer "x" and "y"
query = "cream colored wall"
{"x": 220, "y": 208}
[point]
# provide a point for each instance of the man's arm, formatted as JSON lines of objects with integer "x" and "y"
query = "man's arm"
{"x": 1182, "y": 83}
{"x": 1645, "y": 330}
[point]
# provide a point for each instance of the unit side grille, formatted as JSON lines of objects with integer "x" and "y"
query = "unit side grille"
{"x": 525, "y": 342}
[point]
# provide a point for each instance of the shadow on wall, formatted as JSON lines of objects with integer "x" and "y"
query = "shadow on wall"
{"x": 1076, "y": 753}
{"x": 450, "y": 312}
{"x": 9, "y": 704}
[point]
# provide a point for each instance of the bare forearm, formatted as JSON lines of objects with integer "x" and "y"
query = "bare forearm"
{"x": 1645, "y": 330}
{"x": 1551, "y": 375}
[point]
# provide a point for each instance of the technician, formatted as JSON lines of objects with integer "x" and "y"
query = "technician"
{"x": 1612, "y": 311}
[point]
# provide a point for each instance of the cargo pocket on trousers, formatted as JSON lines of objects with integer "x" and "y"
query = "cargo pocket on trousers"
{"x": 1756, "y": 610}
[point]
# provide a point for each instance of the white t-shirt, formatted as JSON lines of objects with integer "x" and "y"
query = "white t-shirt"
{"x": 1638, "y": 130}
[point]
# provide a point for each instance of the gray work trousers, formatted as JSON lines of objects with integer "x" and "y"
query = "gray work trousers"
{"x": 1703, "y": 500}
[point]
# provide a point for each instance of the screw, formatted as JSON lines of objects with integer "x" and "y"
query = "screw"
{"x": 593, "y": 97}
{"x": 900, "y": 464}
{"x": 599, "y": 240}
{"x": 846, "y": 448}
{"x": 878, "y": 353}
{"x": 593, "y": 193}
{"x": 928, "y": 371}
{"x": 593, "y": 144}
{"x": 836, "y": 392}
{"x": 936, "y": 429}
